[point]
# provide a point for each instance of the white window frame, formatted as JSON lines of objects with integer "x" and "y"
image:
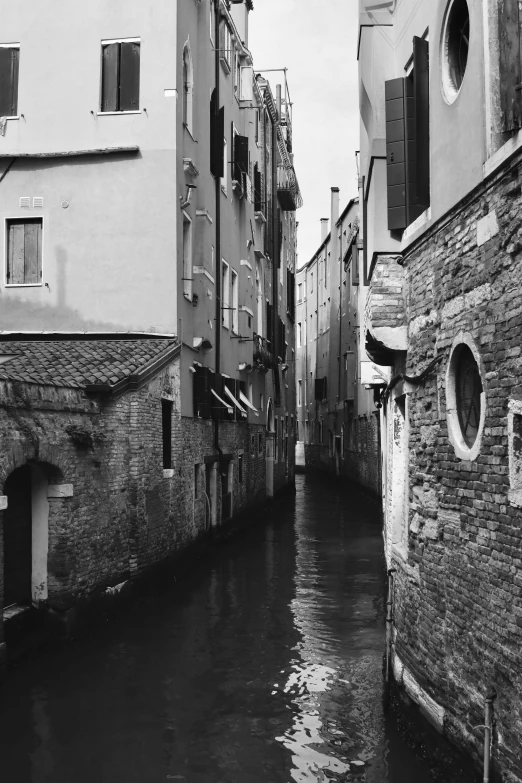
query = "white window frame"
{"x": 234, "y": 297}
{"x": 6, "y": 249}
{"x": 224, "y": 178}
{"x": 106, "y": 42}
{"x": 188, "y": 272}
{"x": 225, "y": 294}
{"x": 13, "y": 46}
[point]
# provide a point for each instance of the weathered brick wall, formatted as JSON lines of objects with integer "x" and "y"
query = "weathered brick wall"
{"x": 126, "y": 514}
{"x": 385, "y": 302}
{"x": 361, "y": 458}
{"x": 458, "y": 598}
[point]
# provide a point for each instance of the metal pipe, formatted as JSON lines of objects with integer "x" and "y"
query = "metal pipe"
{"x": 217, "y": 361}
{"x": 389, "y": 623}
{"x": 488, "y": 733}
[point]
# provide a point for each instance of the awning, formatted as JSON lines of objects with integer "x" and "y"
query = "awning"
{"x": 247, "y": 402}
{"x": 223, "y": 403}
{"x": 236, "y": 403}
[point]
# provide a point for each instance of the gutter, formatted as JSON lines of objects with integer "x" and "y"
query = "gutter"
{"x": 135, "y": 381}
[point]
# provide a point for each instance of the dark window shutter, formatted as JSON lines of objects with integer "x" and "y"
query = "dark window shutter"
{"x": 110, "y": 76}
{"x": 355, "y": 263}
{"x": 9, "y": 82}
{"x": 217, "y": 134}
{"x": 258, "y": 189}
{"x": 240, "y": 157}
{"x": 202, "y": 380}
{"x": 213, "y": 124}
{"x": 396, "y": 153}
{"x": 129, "y": 77}
{"x": 421, "y": 89}
{"x": 318, "y": 389}
{"x": 510, "y": 64}
{"x": 166, "y": 420}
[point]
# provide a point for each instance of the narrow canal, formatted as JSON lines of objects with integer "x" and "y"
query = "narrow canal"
{"x": 263, "y": 664}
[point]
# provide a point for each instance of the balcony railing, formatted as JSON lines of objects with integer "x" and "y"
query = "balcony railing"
{"x": 288, "y": 189}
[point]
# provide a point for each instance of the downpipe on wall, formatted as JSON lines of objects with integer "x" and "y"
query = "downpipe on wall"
{"x": 389, "y": 625}
{"x": 489, "y": 713}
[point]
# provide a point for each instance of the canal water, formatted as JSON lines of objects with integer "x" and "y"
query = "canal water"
{"x": 262, "y": 664}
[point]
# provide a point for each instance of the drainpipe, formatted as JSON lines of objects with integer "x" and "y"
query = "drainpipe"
{"x": 275, "y": 232}
{"x": 217, "y": 362}
{"x": 389, "y": 623}
{"x": 488, "y": 733}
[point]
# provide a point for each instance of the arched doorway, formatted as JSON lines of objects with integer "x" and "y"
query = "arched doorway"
{"x": 25, "y": 537}
{"x": 270, "y": 439}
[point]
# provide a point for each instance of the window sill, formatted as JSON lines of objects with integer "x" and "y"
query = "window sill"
{"x": 115, "y": 113}
{"x": 168, "y": 472}
{"x": 23, "y": 285}
{"x": 14, "y": 117}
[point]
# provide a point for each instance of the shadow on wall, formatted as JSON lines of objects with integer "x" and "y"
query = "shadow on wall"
{"x": 56, "y": 317}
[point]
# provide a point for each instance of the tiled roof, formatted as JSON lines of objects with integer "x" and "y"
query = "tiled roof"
{"x": 76, "y": 363}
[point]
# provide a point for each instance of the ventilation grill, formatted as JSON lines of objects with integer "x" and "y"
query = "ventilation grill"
{"x": 25, "y": 201}
{"x": 38, "y": 202}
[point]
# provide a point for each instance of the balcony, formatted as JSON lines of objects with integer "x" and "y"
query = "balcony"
{"x": 288, "y": 189}
{"x": 386, "y": 330}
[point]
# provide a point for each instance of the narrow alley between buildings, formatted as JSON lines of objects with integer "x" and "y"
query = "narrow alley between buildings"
{"x": 263, "y": 663}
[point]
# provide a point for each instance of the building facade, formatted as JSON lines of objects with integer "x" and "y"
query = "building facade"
{"x": 149, "y": 212}
{"x": 440, "y": 194}
{"x": 338, "y": 420}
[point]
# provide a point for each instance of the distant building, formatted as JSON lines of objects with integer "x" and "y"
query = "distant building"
{"x": 148, "y": 195}
{"x": 338, "y": 420}
{"x": 441, "y": 155}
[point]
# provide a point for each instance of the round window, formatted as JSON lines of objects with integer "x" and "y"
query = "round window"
{"x": 466, "y": 409}
{"x": 455, "y": 46}
{"x": 469, "y": 389}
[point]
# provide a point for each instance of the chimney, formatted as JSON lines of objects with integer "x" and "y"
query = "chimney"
{"x": 278, "y": 101}
{"x": 334, "y": 215}
{"x": 239, "y": 11}
{"x": 324, "y": 229}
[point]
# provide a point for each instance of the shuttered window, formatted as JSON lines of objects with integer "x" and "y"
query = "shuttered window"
{"x": 408, "y": 141}
{"x": 510, "y": 19}
{"x": 24, "y": 251}
{"x": 120, "y": 76}
{"x": 217, "y": 132}
{"x": 240, "y": 157}
{"x": 9, "y": 63}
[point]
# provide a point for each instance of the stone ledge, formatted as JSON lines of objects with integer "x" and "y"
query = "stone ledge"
{"x": 59, "y": 491}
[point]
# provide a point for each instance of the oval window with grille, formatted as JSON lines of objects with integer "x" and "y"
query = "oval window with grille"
{"x": 466, "y": 401}
{"x": 455, "y": 48}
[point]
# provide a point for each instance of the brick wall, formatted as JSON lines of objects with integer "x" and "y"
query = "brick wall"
{"x": 458, "y": 587}
{"x": 126, "y": 513}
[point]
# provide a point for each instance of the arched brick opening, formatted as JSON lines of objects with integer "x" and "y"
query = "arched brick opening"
{"x": 32, "y": 492}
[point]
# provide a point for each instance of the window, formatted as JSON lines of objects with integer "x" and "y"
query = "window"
{"x": 465, "y": 404}
{"x": 515, "y": 452}
{"x": 252, "y": 445}
{"x": 235, "y": 303}
{"x": 299, "y": 292}
{"x": 311, "y": 282}
{"x": 455, "y": 46}
{"x": 240, "y": 468}
{"x": 120, "y": 76}
{"x": 9, "y": 65}
{"x": 408, "y": 141}
{"x": 187, "y": 257}
{"x": 225, "y": 46}
{"x": 166, "y": 420}
{"x": 299, "y": 393}
{"x": 224, "y": 178}
{"x": 260, "y": 444}
{"x": 197, "y": 468}
{"x": 262, "y": 402}
{"x": 259, "y": 297}
{"x": 241, "y": 158}
{"x": 225, "y": 294}
{"x": 24, "y": 251}
{"x": 188, "y": 87}
{"x": 299, "y": 334}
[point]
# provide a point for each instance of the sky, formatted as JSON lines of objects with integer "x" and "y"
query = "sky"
{"x": 317, "y": 42}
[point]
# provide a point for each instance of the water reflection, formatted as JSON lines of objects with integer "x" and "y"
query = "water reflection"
{"x": 263, "y": 664}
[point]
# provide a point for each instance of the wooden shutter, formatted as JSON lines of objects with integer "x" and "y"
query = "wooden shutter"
{"x": 24, "y": 252}
{"x": 9, "y": 59}
{"x": 129, "y": 76}
{"x": 355, "y": 263}
{"x": 110, "y": 76}
{"x": 421, "y": 90}
{"x": 201, "y": 388}
{"x": 240, "y": 157}
{"x": 510, "y": 64}
{"x": 166, "y": 421}
{"x": 217, "y": 134}
{"x": 396, "y": 153}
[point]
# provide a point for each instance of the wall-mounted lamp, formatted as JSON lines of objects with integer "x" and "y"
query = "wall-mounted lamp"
{"x": 188, "y": 196}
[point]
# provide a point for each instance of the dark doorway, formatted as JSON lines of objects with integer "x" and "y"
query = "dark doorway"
{"x": 18, "y": 538}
